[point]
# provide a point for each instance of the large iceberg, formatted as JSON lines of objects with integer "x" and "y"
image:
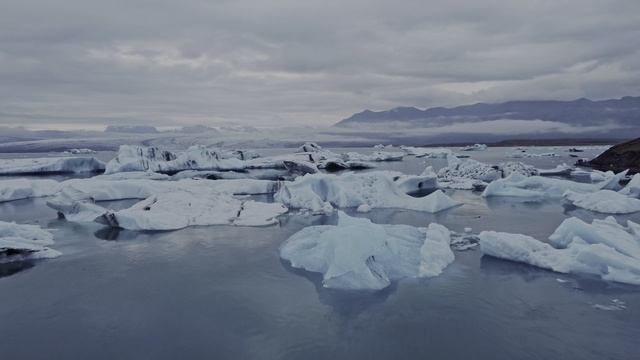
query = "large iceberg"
{"x": 167, "y": 205}
{"x": 17, "y": 189}
{"x": 360, "y": 255}
{"x": 197, "y": 157}
{"x": 320, "y": 193}
{"x": 179, "y": 209}
{"x": 24, "y": 242}
{"x": 50, "y": 166}
{"x": 603, "y": 248}
{"x": 517, "y": 185}
{"x": 604, "y": 201}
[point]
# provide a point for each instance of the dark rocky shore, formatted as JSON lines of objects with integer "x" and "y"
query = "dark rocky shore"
{"x": 618, "y": 158}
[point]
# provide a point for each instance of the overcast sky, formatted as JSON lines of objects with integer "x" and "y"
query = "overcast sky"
{"x": 83, "y": 63}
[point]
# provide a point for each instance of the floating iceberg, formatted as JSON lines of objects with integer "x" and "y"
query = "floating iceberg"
{"x": 633, "y": 187}
{"x": 427, "y": 152}
{"x": 24, "y": 242}
{"x": 604, "y": 201}
{"x": 375, "y": 156}
{"x": 475, "y": 147}
{"x": 457, "y": 169}
{"x": 179, "y": 209}
{"x": 50, "y": 166}
{"x": 197, "y": 157}
{"x": 360, "y": 255}
{"x": 167, "y": 205}
{"x": 517, "y": 185}
{"x": 603, "y": 248}
{"x": 320, "y": 193}
{"x": 516, "y": 167}
{"x": 560, "y": 170}
{"x": 17, "y": 189}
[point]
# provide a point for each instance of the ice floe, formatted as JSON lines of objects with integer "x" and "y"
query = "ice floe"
{"x": 50, "y": 166}
{"x": 604, "y": 201}
{"x": 357, "y": 254}
{"x": 167, "y": 205}
{"x": 179, "y": 209}
{"x": 633, "y": 187}
{"x": 603, "y": 248}
{"x": 24, "y": 242}
{"x": 17, "y": 189}
{"x": 197, "y": 157}
{"x": 320, "y": 193}
{"x": 517, "y": 185}
{"x": 475, "y": 147}
{"x": 427, "y": 152}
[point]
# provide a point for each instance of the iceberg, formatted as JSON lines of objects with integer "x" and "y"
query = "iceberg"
{"x": 357, "y": 254}
{"x": 475, "y": 147}
{"x": 517, "y": 185}
{"x": 197, "y": 157}
{"x": 457, "y": 169}
{"x": 516, "y": 167}
{"x": 375, "y": 156}
{"x": 180, "y": 209}
{"x": 320, "y": 193}
{"x": 560, "y": 170}
{"x": 17, "y": 189}
{"x": 167, "y": 205}
{"x": 604, "y": 201}
{"x": 427, "y": 152}
{"x": 50, "y": 166}
{"x": 603, "y": 248}
{"x": 24, "y": 242}
{"x": 633, "y": 187}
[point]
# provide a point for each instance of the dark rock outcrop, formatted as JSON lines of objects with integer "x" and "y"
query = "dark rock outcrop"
{"x": 619, "y": 158}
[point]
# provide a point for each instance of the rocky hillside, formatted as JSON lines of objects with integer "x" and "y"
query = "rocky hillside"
{"x": 620, "y": 157}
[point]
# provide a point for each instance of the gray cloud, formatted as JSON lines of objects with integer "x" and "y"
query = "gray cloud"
{"x": 91, "y": 63}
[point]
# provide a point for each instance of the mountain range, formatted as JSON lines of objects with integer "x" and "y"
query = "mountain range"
{"x": 624, "y": 111}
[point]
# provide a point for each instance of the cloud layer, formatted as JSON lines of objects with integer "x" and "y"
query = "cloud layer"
{"x": 82, "y": 63}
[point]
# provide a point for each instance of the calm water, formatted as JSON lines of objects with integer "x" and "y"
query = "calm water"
{"x": 222, "y": 292}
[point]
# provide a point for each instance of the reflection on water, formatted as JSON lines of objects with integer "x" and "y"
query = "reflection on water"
{"x": 8, "y": 269}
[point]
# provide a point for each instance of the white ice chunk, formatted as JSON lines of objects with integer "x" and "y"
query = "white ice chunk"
{"x": 517, "y": 185}
{"x": 358, "y": 254}
{"x": 475, "y": 147}
{"x": 320, "y": 192}
{"x": 197, "y": 157}
{"x": 603, "y": 248}
{"x": 604, "y": 201}
{"x": 179, "y": 209}
{"x": 16, "y": 189}
{"x": 23, "y": 242}
{"x": 633, "y": 187}
{"x": 50, "y": 165}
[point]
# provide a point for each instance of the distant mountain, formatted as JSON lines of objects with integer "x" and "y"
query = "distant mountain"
{"x": 624, "y": 111}
{"x": 132, "y": 129}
